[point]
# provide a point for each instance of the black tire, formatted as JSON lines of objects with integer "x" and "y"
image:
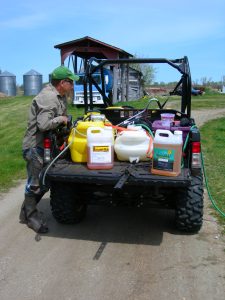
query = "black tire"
{"x": 67, "y": 205}
{"x": 189, "y": 208}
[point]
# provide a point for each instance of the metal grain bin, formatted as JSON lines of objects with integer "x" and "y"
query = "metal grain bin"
{"x": 32, "y": 82}
{"x": 8, "y": 83}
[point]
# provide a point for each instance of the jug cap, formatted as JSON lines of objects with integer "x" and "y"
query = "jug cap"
{"x": 178, "y": 132}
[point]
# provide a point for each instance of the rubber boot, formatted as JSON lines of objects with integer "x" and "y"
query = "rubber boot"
{"x": 29, "y": 215}
{"x": 38, "y": 197}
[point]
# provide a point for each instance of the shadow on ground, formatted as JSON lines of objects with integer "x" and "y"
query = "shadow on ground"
{"x": 115, "y": 225}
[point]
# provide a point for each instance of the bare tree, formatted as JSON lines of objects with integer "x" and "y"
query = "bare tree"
{"x": 206, "y": 81}
{"x": 147, "y": 71}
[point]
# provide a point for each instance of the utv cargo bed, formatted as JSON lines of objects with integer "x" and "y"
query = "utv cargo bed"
{"x": 122, "y": 173}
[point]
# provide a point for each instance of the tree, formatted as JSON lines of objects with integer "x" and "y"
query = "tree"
{"x": 148, "y": 73}
{"x": 147, "y": 70}
{"x": 206, "y": 81}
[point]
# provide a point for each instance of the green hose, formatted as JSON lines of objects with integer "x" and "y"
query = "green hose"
{"x": 206, "y": 180}
{"x": 207, "y": 187}
{"x": 147, "y": 128}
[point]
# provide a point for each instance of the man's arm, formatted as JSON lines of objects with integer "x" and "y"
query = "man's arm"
{"x": 47, "y": 118}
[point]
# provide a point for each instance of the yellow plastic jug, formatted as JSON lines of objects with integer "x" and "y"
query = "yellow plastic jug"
{"x": 78, "y": 137}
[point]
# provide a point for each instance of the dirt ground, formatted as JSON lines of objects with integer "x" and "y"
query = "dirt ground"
{"x": 116, "y": 253}
{"x": 2, "y": 95}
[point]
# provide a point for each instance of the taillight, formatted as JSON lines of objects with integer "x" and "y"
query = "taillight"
{"x": 196, "y": 155}
{"x": 47, "y": 143}
{"x": 47, "y": 150}
{"x": 196, "y": 147}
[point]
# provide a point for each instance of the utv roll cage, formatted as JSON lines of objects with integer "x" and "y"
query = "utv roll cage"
{"x": 182, "y": 88}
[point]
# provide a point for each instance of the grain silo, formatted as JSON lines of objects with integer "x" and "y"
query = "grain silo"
{"x": 8, "y": 83}
{"x": 32, "y": 82}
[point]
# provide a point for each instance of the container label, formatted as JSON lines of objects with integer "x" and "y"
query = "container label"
{"x": 163, "y": 159}
{"x": 101, "y": 154}
{"x": 100, "y": 148}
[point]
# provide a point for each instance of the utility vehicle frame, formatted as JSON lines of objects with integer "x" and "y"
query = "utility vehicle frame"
{"x": 73, "y": 186}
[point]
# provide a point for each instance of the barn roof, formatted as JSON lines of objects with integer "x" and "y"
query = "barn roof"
{"x": 87, "y": 47}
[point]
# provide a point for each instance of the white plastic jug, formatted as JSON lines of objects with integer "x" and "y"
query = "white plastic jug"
{"x": 78, "y": 148}
{"x": 132, "y": 145}
{"x": 167, "y": 153}
{"x": 100, "y": 147}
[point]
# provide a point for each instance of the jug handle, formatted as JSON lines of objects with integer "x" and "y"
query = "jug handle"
{"x": 94, "y": 129}
{"x": 163, "y": 133}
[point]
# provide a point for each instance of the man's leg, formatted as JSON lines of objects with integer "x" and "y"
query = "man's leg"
{"x": 29, "y": 213}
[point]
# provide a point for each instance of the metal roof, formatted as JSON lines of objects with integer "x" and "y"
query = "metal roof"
{"x": 32, "y": 73}
{"x": 7, "y": 74}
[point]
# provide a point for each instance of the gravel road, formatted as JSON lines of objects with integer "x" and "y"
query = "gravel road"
{"x": 116, "y": 253}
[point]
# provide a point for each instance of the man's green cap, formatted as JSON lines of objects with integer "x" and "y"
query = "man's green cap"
{"x": 62, "y": 72}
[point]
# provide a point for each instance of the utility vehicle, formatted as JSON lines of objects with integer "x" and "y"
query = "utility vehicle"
{"x": 73, "y": 187}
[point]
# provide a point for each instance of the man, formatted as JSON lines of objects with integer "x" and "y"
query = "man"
{"x": 48, "y": 110}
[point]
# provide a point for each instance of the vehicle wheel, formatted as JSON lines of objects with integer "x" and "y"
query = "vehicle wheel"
{"x": 67, "y": 205}
{"x": 189, "y": 208}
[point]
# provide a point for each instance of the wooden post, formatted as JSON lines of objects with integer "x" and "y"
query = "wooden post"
{"x": 123, "y": 82}
{"x": 139, "y": 86}
{"x": 127, "y": 85}
{"x": 115, "y": 83}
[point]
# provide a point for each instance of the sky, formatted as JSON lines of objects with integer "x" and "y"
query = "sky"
{"x": 170, "y": 29}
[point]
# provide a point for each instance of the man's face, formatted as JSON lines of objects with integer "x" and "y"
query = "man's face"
{"x": 67, "y": 85}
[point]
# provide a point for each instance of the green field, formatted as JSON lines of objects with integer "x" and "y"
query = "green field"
{"x": 13, "y": 120}
{"x": 213, "y": 143}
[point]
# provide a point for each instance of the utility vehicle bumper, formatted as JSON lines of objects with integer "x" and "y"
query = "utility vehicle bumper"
{"x": 123, "y": 173}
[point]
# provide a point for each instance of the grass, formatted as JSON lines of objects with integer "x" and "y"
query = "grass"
{"x": 213, "y": 145}
{"x": 13, "y": 122}
{"x": 208, "y": 101}
{"x": 13, "y": 119}
{"x": 205, "y": 101}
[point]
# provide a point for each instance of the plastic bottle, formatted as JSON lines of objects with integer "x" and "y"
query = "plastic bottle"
{"x": 167, "y": 153}
{"x": 132, "y": 145}
{"x": 178, "y": 136}
{"x": 78, "y": 136}
{"x": 100, "y": 148}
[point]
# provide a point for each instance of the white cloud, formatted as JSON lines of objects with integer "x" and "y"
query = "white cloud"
{"x": 24, "y": 22}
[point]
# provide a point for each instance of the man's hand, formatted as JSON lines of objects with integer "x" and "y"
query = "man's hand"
{"x": 59, "y": 121}
{"x": 64, "y": 120}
